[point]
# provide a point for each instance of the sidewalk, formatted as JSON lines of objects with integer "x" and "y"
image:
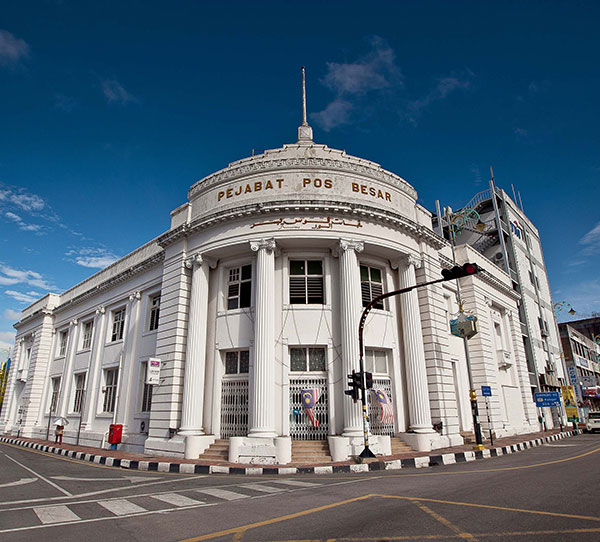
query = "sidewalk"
{"x": 443, "y": 456}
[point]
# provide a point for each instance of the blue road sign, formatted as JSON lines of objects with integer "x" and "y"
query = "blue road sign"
{"x": 547, "y": 398}
{"x": 486, "y": 391}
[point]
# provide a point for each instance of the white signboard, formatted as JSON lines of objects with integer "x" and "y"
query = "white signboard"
{"x": 153, "y": 371}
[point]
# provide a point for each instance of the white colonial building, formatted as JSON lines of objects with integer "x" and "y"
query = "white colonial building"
{"x": 253, "y": 295}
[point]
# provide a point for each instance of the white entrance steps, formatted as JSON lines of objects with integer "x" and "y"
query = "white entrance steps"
{"x": 310, "y": 451}
{"x": 399, "y": 446}
{"x": 218, "y": 451}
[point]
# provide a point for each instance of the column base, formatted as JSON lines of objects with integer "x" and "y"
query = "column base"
{"x": 260, "y": 450}
{"x": 343, "y": 447}
{"x": 190, "y": 432}
{"x": 196, "y": 444}
{"x": 353, "y": 432}
{"x": 260, "y": 433}
{"x": 422, "y": 442}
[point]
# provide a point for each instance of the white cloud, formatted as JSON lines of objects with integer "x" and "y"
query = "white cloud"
{"x": 12, "y": 49}
{"x": 10, "y": 276}
{"x": 584, "y": 297}
{"x": 7, "y": 335}
{"x": 19, "y": 296}
{"x": 115, "y": 93}
{"x": 22, "y": 199}
{"x": 10, "y": 314}
{"x": 351, "y": 82}
{"x": 592, "y": 238}
{"x": 21, "y": 223}
{"x": 96, "y": 258}
{"x": 443, "y": 87}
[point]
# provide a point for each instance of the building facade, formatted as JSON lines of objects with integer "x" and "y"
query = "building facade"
{"x": 506, "y": 237}
{"x": 582, "y": 357}
{"x": 251, "y": 299}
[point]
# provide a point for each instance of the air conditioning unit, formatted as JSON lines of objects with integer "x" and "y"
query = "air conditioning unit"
{"x": 144, "y": 427}
{"x": 498, "y": 256}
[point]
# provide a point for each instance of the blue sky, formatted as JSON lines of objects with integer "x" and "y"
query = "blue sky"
{"x": 110, "y": 111}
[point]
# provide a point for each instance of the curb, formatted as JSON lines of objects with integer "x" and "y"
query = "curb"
{"x": 193, "y": 468}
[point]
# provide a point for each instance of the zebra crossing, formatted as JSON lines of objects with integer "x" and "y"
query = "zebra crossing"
{"x": 102, "y": 509}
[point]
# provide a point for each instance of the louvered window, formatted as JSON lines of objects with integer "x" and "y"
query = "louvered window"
{"x": 118, "y": 325}
{"x": 306, "y": 282}
{"x": 239, "y": 287}
{"x": 371, "y": 285}
{"x": 154, "y": 312}
{"x": 79, "y": 391}
{"x": 111, "y": 378}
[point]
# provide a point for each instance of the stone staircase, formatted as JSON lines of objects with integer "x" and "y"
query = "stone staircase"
{"x": 399, "y": 446}
{"x": 468, "y": 437}
{"x": 217, "y": 451}
{"x": 310, "y": 451}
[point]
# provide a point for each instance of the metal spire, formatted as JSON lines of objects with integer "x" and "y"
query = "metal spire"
{"x": 305, "y": 133}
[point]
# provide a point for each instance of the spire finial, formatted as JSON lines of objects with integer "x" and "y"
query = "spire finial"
{"x": 304, "y": 123}
{"x": 305, "y": 133}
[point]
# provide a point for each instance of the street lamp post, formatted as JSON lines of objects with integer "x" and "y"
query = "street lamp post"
{"x": 456, "y": 221}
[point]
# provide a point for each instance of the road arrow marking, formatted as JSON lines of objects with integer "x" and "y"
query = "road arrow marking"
{"x": 132, "y": 479}
{"x": 20, "y": 482}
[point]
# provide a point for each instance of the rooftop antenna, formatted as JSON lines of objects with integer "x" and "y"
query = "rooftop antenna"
{"x": 513, "y": 191}
{"x": 305, "y": 133}
{"x": 520, "y": 201}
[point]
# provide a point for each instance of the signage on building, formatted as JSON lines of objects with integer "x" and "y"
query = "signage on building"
{"x": 486, "y": 391}
{"x": 572, "y": 374}
{"x": 153, "y": 371}
{"x": 590, "y": 392}
{"x": 582, "y": 362}
{"x": 568, "y": 393}
{"x": 516, "y": 229}
{"x": 547, "y": 398}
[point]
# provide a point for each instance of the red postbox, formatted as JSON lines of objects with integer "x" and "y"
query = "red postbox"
{"x": 115, "y": 432}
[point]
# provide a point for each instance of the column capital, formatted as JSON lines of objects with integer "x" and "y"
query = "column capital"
{"x": 267, "y": 244}
{"x": 193, "y": 260}
{"x": 407, "y": 260}
{"x": 74, "y": 322}
{"x": 135, "y": 296}
{"x": 100, "y": 310}
{"x": 347, "y": 244}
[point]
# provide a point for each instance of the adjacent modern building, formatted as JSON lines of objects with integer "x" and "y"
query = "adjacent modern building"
{"x": 499, "y": 229}
{"x": 251, "y": 302}
{"x": 582, "y": 357}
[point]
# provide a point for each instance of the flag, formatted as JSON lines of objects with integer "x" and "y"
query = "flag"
{"x": 309, "y": 399}
{"x": 386, "y": 412}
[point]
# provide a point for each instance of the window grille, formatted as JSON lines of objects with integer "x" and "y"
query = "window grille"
{"x": 371, "y": 285}
{"x": 377, "y": 427}
{"x": 118, "y": 325}
{"x": 55, "y": 392}
{"x": 154, "y": 312}
{"x": 234, "y": 407}
{"x": 79, "y": 391}
{"x": 239, "y": 287}
{"x": 111, "y": 377}
{"x": 237, "y": 362}
{"x": 64, "y": 336}
{"x": 314, "y": 356}
{"x": 87, "y": 334}
{"x": 306, "y": 282}
{"x": 300, "y": 425}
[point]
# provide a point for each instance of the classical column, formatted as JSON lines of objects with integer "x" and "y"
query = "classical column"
{"x": 414, "y": 353}
{"x": 192, "y": 408}
{"x": 350, "y": 311}
{"x": 262, "y": 400}
{"x": 67, "y": 376}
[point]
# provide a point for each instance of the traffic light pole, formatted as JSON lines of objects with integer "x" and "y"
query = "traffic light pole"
{"x": 363, "y": 392}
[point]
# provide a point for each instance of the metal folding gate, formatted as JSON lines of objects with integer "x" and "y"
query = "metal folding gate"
{"x": 301, "y": 428}
{"x": 378, "y": 427}
{"x": 234, "y": 407}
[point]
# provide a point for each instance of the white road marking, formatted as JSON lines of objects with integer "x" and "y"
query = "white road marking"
{"x": 20, "y": 482}
{"x": 40, "y": 476}
{"x": 559, "y": 445}
{"x": 132, "y": 479}
{"x": 177, "y": 500}
{"x": 55, "y": 514}
{"x": 264, "y": 489}
{"x": 297, "y": 483}
{"x": 121, "y": 507}
{"x": 223, "y": 494}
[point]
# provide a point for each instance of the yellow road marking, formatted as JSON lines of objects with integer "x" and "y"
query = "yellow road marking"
{"x": 460, "y": 532}
{"x": 240, "y": 531}
{"x": 489, "y": 506}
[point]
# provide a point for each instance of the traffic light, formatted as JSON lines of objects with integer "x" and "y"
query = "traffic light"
{"x": 459, "y": 271}
{"x": 355, "y": 386}
{"x": 368, "y": 380}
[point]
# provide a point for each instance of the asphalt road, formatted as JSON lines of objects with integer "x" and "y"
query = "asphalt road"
{"x": 547, "y": 493}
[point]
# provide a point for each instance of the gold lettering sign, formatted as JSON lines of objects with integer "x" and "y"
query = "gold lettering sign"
{"x": 248, "y": 188}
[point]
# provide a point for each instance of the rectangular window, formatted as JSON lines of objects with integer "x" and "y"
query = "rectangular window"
{"x": 62, "y": 346}
{"x": 154, "y": 312}
{"x": 371, "y": 285}
{"x": 55, "y": 384}
{"x": 376, "y": 361}
{"x": 306, "y": 282}
{"x": 146, "y": 390}
{"x": 239, "y": 287}
{"x": 118, "y": 325}
{"x": 111, "y": 377}
{"x": 307, "y": 359}
{"x": 87, "y": 334}
{"x": 237, "y": 362}
{"x": 79, "y": 391}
